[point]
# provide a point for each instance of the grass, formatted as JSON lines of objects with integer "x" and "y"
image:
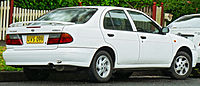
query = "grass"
{"x": 3, "y": 66}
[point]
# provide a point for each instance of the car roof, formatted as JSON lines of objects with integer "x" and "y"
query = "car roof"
{"x": 103, "y": 7}
{"x": 99, "y": 7}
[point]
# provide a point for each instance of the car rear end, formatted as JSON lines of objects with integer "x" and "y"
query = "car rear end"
{"x": 47, "y": 43}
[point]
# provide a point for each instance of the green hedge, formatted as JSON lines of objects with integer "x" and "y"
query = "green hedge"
{"x": 44, "y": 4}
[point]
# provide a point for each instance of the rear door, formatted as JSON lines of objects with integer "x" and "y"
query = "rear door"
{"x": 155, "y": 47}
{"x": 118, "y": 33}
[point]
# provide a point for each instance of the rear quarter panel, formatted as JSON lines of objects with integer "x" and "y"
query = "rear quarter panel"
{"x": 86, "y": 35}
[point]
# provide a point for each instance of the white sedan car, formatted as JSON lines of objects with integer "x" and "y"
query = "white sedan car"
{"x": 104, "y": 40}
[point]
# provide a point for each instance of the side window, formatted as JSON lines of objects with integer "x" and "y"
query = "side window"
{"x": 143, "y": 24}
{"x": 117, "y": 20}
{"x": 107, "y": 22}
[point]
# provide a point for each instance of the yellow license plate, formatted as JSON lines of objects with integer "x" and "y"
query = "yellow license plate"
{"x": 38, "y": 39}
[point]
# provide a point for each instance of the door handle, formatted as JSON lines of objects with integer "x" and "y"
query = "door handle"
{"x": 110, "y": 35}
{"x": 143, "y": 37}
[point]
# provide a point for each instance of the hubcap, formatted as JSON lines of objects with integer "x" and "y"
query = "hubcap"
{"x": 103, "y": 66}
{"x": 181, "y": 65}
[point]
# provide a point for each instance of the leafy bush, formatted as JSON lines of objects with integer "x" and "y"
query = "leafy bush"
{"x": 179, "y": 8}
{"x": 3, "y": 66}
{"x": 44, "y": 4}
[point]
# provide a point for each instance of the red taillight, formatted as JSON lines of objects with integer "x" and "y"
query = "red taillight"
{"x": 65, "y": 38}
{"x": 53, "y": 40}
{"x": 13, "y": 40}
{"x": 59, "y": 38}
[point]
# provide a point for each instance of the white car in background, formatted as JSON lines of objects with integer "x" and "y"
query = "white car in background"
{"x": 188, "y": 26}
{"x": 102, "y": 39}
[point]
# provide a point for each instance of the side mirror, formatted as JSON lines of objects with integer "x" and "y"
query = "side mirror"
{"x": 165, "y": 30}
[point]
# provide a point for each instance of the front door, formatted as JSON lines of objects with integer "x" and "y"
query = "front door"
{"x": 155, "y": 47}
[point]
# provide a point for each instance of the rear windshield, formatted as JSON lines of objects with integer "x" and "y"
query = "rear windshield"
{"x": 74, "y": 15}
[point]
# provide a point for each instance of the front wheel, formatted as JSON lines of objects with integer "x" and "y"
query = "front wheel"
{"x": 101, "y": 67}
{"x": 181, "y": 66}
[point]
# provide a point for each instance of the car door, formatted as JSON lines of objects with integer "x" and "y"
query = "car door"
{"x": 119, "y": 34}
{"x": 155, "y": 47}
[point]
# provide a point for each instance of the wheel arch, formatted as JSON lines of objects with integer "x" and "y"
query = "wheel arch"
{"x": 110, "y": 51}
{"x": 187, "y": 50}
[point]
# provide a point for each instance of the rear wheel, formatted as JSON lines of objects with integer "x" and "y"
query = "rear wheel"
{"x": 101, "y": 67}
{"x": 36, "y": 74}
{"x": 181, "y": 66}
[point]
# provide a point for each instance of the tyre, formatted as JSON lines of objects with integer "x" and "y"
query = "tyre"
{"x": 101, "y": 67}
{"x": 181, "y": 66}
{"x": 122, "y": 74}
{"x": 36, "y": 74}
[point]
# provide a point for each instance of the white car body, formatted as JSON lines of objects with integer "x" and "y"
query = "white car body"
{"x": 130, "y": 51}
{"x": 188, "y": 26}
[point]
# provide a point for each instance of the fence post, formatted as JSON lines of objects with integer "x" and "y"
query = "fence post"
{"x": 154, "y": 11}
{"x": 162, "y": 14}
{"x": 11, "y": 11}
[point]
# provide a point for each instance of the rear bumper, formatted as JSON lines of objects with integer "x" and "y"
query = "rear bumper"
{"x": 60, "y": 56}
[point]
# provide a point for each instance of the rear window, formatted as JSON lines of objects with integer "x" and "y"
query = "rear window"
{"x": 74, "y": 15}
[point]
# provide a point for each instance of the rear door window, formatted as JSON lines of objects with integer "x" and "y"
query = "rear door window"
{"x": 117, "y": 20}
